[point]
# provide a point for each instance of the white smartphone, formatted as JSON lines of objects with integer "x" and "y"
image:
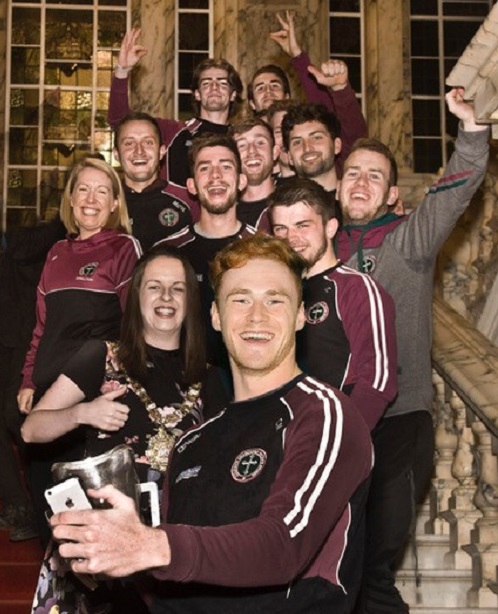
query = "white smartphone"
{"x": 66, "y": 496}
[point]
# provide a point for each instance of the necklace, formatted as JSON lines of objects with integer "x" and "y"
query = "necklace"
{"x": 162, "y": 442}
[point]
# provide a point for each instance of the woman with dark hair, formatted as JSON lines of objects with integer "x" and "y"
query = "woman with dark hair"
{"x": 149, "y": 387}
{"x": 143, "y": 391}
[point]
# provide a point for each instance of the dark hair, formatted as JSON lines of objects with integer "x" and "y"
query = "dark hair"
{"x": 302, "y": 113}
{"x": 234, "y": 81}
{"x": 260, "y": 245}
{"x": 377, "y": 147}
{"x": 292, "y": 190}
{"x": 133, "y": 117}
{"x": 249, "y": 123}
{"x": 210, "y": 139}
{"x": 273, "y": 69}
{"x": 132, "y": 348}
{"x": 279, "y": 105}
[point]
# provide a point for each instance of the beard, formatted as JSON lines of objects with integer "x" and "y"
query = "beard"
{"x": 314, "y": 169}
{"x": 255, "y": 178}
{"x": 318, "y": 254}
{"x": 220, "y": 207}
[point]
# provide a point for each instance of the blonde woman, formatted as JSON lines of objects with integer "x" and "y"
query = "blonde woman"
{"x": 82, "y": 291}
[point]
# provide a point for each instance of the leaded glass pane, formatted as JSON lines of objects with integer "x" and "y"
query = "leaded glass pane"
{"x": 345, "y": 35}
{"x": 24, "y": 105}
{"x": 69, "y": 35}
{"x": 427, "y": 155}
{"x": 427, "y": 117}
{"x": 425, "y": 77}
{"x": 25, "y": 65}
{"x": 112, "y": 28}
{"x": 186, "y": 64}
{"x": 193, "y": 4}
{"x": 26, "y": 26}
{"x": 344, "y": 6}
{"x": 193, "y": 31}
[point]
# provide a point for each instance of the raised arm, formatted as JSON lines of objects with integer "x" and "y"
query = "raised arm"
{"x": 328, "y": 85}
{"x": 333, "y": 75}
{"x": 287, "y": 40}
{"x": 130, "y": 54}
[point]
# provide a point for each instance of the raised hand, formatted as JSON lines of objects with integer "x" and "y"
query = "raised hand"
{"x": 332, "y": 74}
{"x": 286, "y": 37}
{"x": 131, "y": 52}
{"x": 463, "y": 110}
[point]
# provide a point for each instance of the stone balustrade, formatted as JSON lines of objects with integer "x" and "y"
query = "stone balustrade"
{"x": 464, "y": 497}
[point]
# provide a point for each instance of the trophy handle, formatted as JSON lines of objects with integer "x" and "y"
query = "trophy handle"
{"x": 153, "y": 491}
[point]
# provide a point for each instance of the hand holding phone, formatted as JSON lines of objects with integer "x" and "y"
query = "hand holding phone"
{"x": 67, "y": 496}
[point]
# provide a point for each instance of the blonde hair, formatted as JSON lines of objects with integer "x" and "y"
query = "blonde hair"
{"x": 117, "y": 219}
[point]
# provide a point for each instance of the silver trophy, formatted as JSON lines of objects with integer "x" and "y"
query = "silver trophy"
{"x": 116, "y": 467}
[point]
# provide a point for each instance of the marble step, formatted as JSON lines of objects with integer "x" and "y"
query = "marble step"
{"x": 439, "y": 588}
{"x": 431, "y": 552}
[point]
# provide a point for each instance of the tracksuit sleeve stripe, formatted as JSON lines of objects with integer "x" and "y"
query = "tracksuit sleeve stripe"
{"x": 307, "y": 495}
{"x": 378, "y": 327}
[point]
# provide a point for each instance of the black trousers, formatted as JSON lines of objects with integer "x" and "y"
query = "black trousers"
{"x": 404, "y": 459}
{"x": 11, "y": 487}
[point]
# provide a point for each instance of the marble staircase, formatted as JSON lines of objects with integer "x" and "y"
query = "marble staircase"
{"x": 451, "y": 566}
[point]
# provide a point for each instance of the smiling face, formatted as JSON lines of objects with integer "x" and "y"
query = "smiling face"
{"x": 139, "y": 153}
{"x": 216, "y": 180}
{"x": 258, "y": 312}
{"x": 257, "y": 153}
{"x": 92, "y": 201}
{"x": 163, "y": 302}
{"x": 312, "y": 150}
{"x": 364, "y": 191}
{"x": 303, "y": 228}
{"x": 214, "y": 93}
{"x": 267, "y": 87}
{"x": 276, "y": 124}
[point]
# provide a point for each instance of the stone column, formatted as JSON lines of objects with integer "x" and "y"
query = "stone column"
{"x": 152, "y": 82}
{"x": 387, "y": 76}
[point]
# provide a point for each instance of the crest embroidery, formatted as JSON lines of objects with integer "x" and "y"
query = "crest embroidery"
{"x": 248, "y": 465}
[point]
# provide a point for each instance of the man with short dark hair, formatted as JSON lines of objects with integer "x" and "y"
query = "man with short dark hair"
{"x": 216, "y": 93}
{"x": 349, "y": 338}
{"x": 156, "y": 209}
{"x": 258, "y": 154}
{"x": 263, "y": 504}
{"x": 311, "y": 135}
{"x": 216, "y": 181}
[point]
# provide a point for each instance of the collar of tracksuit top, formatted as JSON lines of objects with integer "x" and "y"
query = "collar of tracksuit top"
{"x": 383, "y": 220}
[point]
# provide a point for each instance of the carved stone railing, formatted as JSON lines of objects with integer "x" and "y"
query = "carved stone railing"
{"x": 464, "y": 497}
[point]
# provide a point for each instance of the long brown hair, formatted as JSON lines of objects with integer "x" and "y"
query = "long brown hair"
{"x": 132, "y": 347}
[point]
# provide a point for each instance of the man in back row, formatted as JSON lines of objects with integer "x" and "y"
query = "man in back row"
{"x": 263, "y": 507}
{"x": 156, "y": 208}
{"x": 216, "y": 93}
